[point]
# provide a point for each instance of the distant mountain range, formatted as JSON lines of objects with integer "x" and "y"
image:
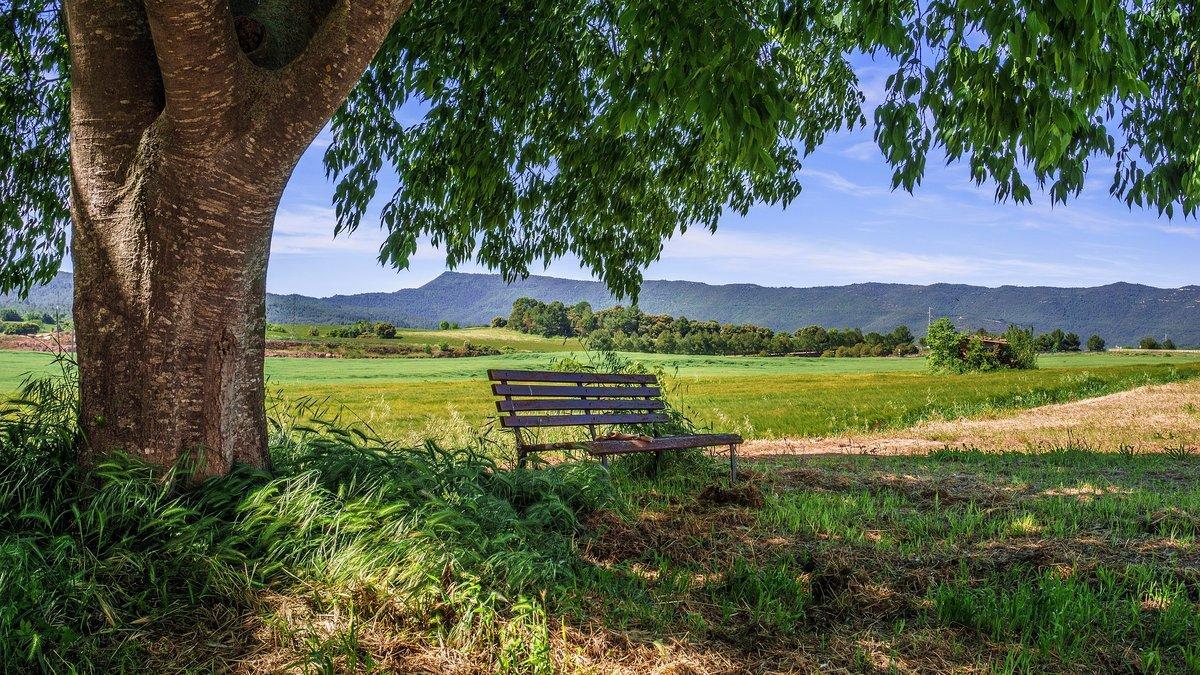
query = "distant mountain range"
{"x": 1121, "y": 313}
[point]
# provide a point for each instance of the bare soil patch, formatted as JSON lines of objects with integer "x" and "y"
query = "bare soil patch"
{"x": 1154, "y": 418}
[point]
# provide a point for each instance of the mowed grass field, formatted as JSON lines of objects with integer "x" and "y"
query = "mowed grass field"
{"x": 758, "y": 397}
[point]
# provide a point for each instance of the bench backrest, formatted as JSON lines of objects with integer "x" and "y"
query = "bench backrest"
{"x": 542, "y": 398}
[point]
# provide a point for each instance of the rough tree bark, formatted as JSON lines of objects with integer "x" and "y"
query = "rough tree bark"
{"x": 186, "y": 125}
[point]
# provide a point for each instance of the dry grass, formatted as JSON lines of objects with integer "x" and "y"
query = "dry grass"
{"x": 1154, "y": 418}
{"x": 881, "y": 534}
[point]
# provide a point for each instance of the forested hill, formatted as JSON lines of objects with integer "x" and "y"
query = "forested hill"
{"x": 1121, "y": 313}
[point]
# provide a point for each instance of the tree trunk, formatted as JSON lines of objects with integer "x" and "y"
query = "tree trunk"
{"x": 186, "y": 123}
{"x": 170, "y": 292}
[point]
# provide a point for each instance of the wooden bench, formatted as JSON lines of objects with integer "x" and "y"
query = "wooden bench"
{"x": 531, "y": 399}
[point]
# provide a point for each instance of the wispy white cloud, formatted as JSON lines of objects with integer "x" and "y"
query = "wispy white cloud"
{"x": 839, "y": 183}
{"x": 308, "y": 229}
{"x": 862, "y": 152}
{"x": 783, "y": 258}
{"x": 1185, "y": 230}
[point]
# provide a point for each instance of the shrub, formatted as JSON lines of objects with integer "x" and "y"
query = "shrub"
{"x": 499, "y": 322}
{"x": 1168, "y": 344}
{"x": 1149, "y": 343}
{"x": 21, "y": 328}
{"x": 954, "y": 352}
{"x": 314, "y": 331}
{"x": 10, "y": 315}
{"x": 444, "y": 325}
{"x": 1095, "y": 344}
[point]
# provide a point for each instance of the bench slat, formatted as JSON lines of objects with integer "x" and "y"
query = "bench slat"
{"x": 562, "y": 390}
{"x": 580, "y": 420}
{"x": 555, "y": 376}
{"x": 578, "y": 404}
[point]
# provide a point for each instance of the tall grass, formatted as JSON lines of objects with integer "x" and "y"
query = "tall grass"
{"x": 128, "y": 567}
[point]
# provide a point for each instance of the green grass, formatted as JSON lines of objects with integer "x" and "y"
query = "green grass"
{"x": 758, "y": 397}
{"x": 499, "y": 338}
{"x": 357, "y": 554}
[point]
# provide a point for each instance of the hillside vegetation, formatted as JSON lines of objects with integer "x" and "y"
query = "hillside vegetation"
{"x": 1121, "y": 314}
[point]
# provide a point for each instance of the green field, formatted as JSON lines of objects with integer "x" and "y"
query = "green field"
{"x": 499, "y": 338}
{"x": 758, "y": 397}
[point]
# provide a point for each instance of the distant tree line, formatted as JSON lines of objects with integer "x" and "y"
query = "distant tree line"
{"x": 630, "y": 329}
{"x": 1153, "y": 343}
{"x": 1058, "y": 341}
{"x": 360, "y": 329}
{"x": 12, "y": 322}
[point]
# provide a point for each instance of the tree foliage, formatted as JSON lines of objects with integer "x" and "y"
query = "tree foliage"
{"x": 618, "y": 125}
{"x": 358, "y": 329}
{"x": 601, "y": 128}
{"x": 631, "y": 329}
{"x": 34, "y": 166}
{"x": 953, "y": 351}
{"x": 1057, "y": 341}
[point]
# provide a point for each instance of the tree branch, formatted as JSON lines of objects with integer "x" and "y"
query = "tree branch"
{"x": 201, "y": 65}
{"x": 312, "y": 86}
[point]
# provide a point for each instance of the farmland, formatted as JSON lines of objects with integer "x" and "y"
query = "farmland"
{"x": 497, "y": 338}
{"x": 1073, "y": 555}
{"x": 758, "y": 397}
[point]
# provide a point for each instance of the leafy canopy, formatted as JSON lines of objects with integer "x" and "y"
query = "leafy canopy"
{"x": 600, "y": 128}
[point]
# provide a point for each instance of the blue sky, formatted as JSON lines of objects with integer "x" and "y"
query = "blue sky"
{"x": 846, "y": 227}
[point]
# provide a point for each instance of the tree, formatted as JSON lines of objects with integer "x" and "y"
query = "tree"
{"x": 444, "y": 325}
{"x": 1095, "y": 344}
{"x": 1071, "y": 342}
{"x": 901, "y": 336}
{"x": 1149, "y": 342}
{"x": 598, "y": 129}
{"x": 554, "y": 321}
{"x": 499, "y": 322}
{"x": 10, "y": 315}
{"x": 1168, "y": 344}
{"x": 1020, "y": 353}
{"x": 945, "y": 345}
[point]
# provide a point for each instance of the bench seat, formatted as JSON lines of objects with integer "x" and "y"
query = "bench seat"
{"x": 621, "y": 446}
{"x": 533, "y": 399}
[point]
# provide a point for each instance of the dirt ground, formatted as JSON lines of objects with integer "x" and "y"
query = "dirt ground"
{"x": 1155, "y": 418}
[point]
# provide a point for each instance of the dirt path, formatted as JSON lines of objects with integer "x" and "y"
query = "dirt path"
{"x": 1151, "y": 419}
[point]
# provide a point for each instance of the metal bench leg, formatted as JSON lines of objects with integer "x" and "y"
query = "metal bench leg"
{"x": 604, "y": 461}
{"x": 657, "y": 463}
{"x": 732, "y": 464}
{"x": 520, "y": 459}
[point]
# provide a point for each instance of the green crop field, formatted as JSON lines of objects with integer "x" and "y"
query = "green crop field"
{"x": 498, "y": 338}
{"x": 758, "y": 397}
